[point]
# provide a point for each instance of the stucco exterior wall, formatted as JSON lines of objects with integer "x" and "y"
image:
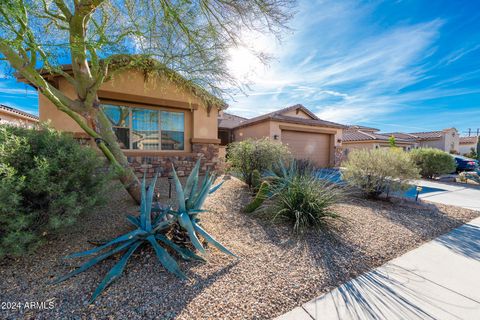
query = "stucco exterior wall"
{"x": 254, "y": 131}
{"x": 452, "y": 140}
{"x": 466, "y": 148}
{"x": 203, "y": 125}
{"x": 15, "y": 119}
{"x": 449, "y": 141}
{"x": 133, "y": 89}
{"x": 300, "y": 114}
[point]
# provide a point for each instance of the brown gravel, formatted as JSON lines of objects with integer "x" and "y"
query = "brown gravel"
{"x": 274, "y": 274}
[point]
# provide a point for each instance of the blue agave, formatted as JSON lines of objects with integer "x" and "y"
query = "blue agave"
{"x": 151, "y": 225}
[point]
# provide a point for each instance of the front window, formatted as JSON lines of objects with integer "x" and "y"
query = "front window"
{"x": 147, "y": 129}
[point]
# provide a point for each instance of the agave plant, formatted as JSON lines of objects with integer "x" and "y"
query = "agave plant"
{"x": 151, "y": 226}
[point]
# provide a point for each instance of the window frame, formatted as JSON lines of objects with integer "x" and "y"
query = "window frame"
{"x": 159, "y": 109}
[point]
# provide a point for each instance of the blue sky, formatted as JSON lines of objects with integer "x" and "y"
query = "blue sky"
{"x": 395, "y": 65}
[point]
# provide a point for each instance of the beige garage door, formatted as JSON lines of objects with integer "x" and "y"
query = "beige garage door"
{"x": 307, "y": 145}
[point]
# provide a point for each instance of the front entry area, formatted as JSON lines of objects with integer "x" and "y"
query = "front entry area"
{"x": 308, "y": 145}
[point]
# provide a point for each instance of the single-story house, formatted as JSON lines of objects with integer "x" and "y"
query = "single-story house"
{"x": 447, "y": 140}
{"x": 307, "y": 136}
{"x": 361, "y": 137}
{"x": 158, "y": 119}
{"x": 467, "y": 143}
{"x": 16, "y": 117}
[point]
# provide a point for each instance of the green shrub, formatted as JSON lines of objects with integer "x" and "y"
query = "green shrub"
{"x": 305, "y": 202}
{"x": 433, "y": 162}
{"x": 249, "y": 155}
{"x": 472, "y": 154}
{"x": 378, "y": 171}
{"x": 46, "y": 181}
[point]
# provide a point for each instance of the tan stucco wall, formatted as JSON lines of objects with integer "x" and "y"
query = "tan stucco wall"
{"x": 15, "y": 119}
{"x": 466, "y": 148}
{"x": 293, "y": 113}
{"x": 350, "y": 146}
{"x": 198, "y": 123}
{"x": 255, "y": 131}
{"x": 450, "y": 140}
{"x": 437, "y": 144}
{"x": 270, "y": 129}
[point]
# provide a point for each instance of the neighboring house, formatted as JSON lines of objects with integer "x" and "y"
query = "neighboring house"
{"x": 158, "y": 120}
{"x": 360, "y": 137}
{"x": 467, "y": 143}
{"x": 307, "y": 136}
{"x": 12, "y": 116}
{"x": 226, "y": 123}
{"x": 447, "y": 139}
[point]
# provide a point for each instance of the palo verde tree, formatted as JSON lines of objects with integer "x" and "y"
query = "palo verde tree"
{"x": 184, "y": 40}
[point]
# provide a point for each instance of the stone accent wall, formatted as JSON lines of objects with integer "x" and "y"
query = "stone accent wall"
{"x": 339, "y": 156}
{"x": 183, "y": 163}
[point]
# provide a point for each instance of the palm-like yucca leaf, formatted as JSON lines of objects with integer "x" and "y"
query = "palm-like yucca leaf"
{"x": 115, "y": 272}
{"x": 125, "y": 237}
{"x": 149, "y": 225}
{"x": 187, "y": 212}
{"x": 212, "y": 240}
{"x": 94, "y": 261}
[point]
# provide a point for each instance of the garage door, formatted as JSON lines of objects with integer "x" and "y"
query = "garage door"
{"x": 308, "y": 145}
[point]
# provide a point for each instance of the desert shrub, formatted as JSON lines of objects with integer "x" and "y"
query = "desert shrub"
{"x": 433, "y": 162}
{"x": 305, "y": 202}
{"x": 379, "y": 171}
{"x": 46, "y": 181}
{"x": 249, "y": 155}
{"x": 472, "y": 154}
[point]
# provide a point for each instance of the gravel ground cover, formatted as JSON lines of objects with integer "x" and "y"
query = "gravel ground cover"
{"x": 274, "y": 273}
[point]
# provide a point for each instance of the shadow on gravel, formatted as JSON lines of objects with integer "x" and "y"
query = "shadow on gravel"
{"x": 426, "y": 221}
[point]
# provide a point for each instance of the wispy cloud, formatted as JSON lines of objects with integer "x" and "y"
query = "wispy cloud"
{"x": 348, "y": 69}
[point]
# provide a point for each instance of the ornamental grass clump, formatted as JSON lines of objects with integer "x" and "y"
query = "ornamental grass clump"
{"x": 151, "y": 226}
{"x": 306, "y": 202}
{"x": 292, "y": 192}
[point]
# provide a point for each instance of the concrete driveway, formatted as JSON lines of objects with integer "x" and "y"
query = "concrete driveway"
{"x": 465, "y": 196}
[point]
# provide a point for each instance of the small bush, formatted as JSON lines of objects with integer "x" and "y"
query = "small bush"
{"x": 433, "y": 162}
{"x": 306, "y": 203}
{"x": 46, "y": 181}
{"x": 379, "y": 171}
{"x": 247, "y": 156}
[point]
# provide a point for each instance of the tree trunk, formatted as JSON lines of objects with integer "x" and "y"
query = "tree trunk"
{"x": 126, "y": 175}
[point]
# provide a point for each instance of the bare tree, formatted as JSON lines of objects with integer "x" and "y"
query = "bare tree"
{"x": 186, "y": 40}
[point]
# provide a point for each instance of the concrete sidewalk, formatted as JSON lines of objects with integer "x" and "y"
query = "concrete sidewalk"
{"x": 438, "y": 280}
{"x": 460, "y": 195}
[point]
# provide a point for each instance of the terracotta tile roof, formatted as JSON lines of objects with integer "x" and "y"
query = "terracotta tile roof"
{"x": 432, "y": 135}
{"x": 468, "y": 140}
{"x": 356, "y": 127}
{"x": 401, "y": 135}
{"x": 278, "y": 115}
{"x": 229, "y": 121}
{"x": 428, "y": 135}
{"x": 359, "y": 135}
{"x": 20, "y": 112}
